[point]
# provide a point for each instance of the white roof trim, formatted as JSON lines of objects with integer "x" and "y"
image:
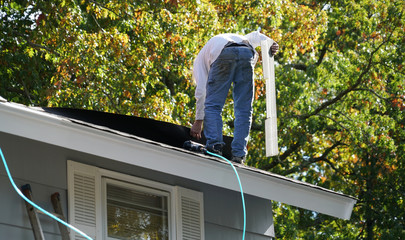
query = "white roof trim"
{"x": 26, "y": 122}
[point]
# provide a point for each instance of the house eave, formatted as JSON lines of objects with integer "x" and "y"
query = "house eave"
{"x": 34, "y": 124}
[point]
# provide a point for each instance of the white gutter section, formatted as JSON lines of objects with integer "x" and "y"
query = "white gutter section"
{"x": 271, "y": 108}
{"x": 22, "y": 121}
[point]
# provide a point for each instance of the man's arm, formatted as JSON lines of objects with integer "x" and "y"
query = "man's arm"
{"x": 255, "y": 39}
{"x": 200, "y": 74}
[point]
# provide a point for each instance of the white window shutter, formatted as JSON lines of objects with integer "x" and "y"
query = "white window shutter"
{"x": 271, "y": 109}
{"x": 83, "y": 199}
{"x": 190, "y": 214}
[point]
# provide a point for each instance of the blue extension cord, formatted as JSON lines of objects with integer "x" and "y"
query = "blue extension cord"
{"x": 36, "y": 206}
{"x": 241, "y": 190}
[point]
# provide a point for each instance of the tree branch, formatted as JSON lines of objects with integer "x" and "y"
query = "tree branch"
{"x": 255, "y": 126}
{"x": 334, "y": 120}
{"x": 303, "y": 67}
{"x": 312, "y": 160}
{"x": 298, "y": 66}
{"x": 282, "y": 157}
{"x": 392, "y": 68}
{"x": 348, "y": 90}
{"x": 26, "y": 91}
{"x": 21, "y": 92}
{"x": 338, "y": 123}
{"x": 343, "y": 114}
{"x": 109, "y": 9}
{"x": 378, "y": 95}
{"x": 95, "y": 20}
{"x": 125, "y": 13}
{"x": 35, "y": 45}
{"x": 323, "y": 53}
{"x": 111, "y": 101}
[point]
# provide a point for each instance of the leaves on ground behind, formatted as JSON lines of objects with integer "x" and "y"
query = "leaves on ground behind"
{"x": 339, "y": 76}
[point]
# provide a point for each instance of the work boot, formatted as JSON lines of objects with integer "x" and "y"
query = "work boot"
{"x": 239, "y": 159}
{"x": 216, "y": 148}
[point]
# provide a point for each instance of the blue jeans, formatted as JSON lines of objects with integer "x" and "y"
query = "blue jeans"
{"x": 234, "y": 65}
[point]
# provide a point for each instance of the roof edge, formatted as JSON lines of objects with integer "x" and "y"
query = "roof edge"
{"x": 30, "y": 123}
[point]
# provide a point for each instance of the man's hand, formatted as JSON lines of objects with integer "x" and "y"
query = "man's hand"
{"x": 273, "y": 49}
{"x": 196, "y": 129}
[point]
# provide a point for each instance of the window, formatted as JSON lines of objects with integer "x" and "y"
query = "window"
{"x": 135, "y": 212}
{"x": 110, "y": 205}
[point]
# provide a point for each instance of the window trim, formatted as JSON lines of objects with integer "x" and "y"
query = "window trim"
{"x": 144, "y": 184}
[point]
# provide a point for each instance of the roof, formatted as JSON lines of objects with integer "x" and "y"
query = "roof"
{"x": 110, "y": 136}
{"x": 157, "y": 131}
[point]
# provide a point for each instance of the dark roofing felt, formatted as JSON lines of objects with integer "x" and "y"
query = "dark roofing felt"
{"x": 160, "y": 133}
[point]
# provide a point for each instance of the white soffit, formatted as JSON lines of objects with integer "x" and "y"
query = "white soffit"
{"x": 34, "y": 124}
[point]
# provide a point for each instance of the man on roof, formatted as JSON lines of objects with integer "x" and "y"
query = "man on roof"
{"x": 224, "y": 60}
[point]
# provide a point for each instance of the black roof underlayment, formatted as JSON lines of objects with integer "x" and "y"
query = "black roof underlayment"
{"x": 158, "y": 131}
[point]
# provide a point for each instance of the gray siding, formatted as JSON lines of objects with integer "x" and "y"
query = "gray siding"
{"x": 43, "y": 166}
{"x": 35, "y": 164}
{"x": 224, "y": 213}
{"x": 215, "y": 232}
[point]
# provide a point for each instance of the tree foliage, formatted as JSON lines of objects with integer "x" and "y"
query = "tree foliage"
{"x": 339, "y": 78}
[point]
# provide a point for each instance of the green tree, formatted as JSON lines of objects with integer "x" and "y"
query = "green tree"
{"x": 341, "y": 111}
{"x": 339, "y": 78}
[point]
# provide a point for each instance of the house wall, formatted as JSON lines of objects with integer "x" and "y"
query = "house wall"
{"x": 45, "y": 170}
{"x": 43, "y": 166}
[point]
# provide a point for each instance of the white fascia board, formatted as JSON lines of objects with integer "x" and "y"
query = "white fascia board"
{"x": 40, "y": 126}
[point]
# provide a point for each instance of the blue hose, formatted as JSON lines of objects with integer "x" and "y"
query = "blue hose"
{"x": 36, "y": 206}
{"x": 241, "y": 190}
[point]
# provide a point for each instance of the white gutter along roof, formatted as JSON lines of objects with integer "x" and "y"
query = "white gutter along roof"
{"x": 35, "y": 124}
